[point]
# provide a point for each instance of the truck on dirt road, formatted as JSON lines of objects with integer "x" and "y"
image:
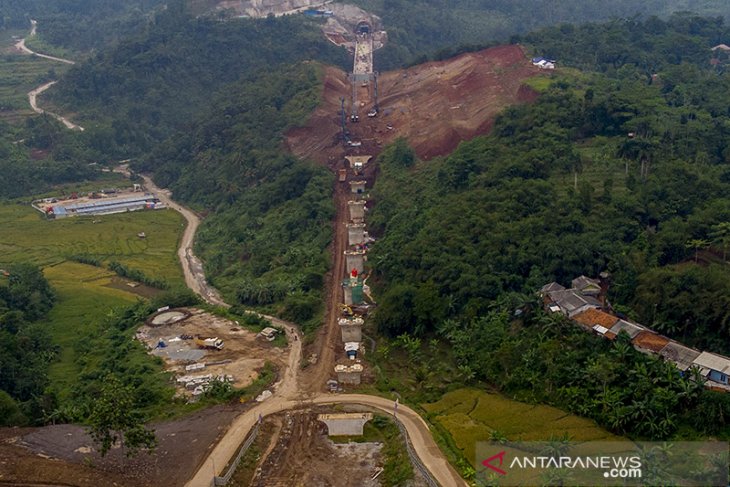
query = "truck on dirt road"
{"x": 209, "y": 343}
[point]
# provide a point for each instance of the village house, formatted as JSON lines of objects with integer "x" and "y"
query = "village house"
{"x": 585, "y": 304}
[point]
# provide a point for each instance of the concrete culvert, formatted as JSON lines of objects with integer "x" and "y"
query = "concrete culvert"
{"x": 168, "y": 317}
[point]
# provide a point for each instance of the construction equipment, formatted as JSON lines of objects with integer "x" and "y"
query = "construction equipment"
{"x": 346, "y": 310}
{"x": 376, "y": 108}
{"x": 354, "y": 117}
{"x": 209, "y": 343}
{"x": 343, "y": 119}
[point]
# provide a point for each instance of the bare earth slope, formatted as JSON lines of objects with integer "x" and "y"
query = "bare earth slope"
{"x": 435, "y": 105}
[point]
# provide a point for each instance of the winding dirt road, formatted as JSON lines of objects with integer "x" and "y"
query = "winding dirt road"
{"x": 288, "y": 393}
{"x": 33, "y": 94}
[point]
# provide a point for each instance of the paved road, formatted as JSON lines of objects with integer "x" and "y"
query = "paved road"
{"x": 33, "y": 94}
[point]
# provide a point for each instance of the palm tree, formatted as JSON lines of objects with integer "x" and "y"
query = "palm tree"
{"x": 697, "y": 244}
{"x": 721, "y": 235}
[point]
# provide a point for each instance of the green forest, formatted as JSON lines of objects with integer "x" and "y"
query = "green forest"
{"x": 620, "y": 165}
{"x": 26, "y": 349}
{"x": 264, "y": 244}
{"x": 623, "y": 168}
{"x": 421, "y": 29}
{"x": 160, "y": 83}
{"x": 81, "y": 26}
{"x": 40, "y": 154}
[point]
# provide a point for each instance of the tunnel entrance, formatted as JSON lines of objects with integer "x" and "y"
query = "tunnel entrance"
{"x": 363, "y": 27}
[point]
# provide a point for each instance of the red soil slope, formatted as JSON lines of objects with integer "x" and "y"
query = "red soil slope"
{"x": 435, "y": 105}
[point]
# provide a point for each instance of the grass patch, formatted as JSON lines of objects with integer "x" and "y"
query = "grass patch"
{"x": 82, "y": 302}
{"x": 38, "y": 44}
{"x": 84, "y": 298}
{"x": 539, "y": 83}
{"x": 20, "y": 74}
{"x": 471, "y": 415}
{"x": 28, "y": 237}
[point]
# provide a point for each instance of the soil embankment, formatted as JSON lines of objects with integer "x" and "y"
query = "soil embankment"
{"x": 434, "y": 106}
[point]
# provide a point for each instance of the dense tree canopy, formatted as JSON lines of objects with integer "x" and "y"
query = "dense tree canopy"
{"x": 419, "y": 29}
{"x": 25, "y": 348}
{"x": 81, "y": 25}
{"x": 623, "y": 171}
{"x": 157, "y": 84}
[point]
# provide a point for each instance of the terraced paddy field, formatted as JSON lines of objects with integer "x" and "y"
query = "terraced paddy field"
{"x": 471, "y": 415}
{"x": 28, "y": 237}
{"x": 86, "y": 294}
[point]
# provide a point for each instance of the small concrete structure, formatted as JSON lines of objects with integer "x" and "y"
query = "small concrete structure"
{"x": 167, "y": 317}
{"x": 358, "y": 187}
{"x": 345, "y": 424}
{"x": 355, "y": 260}
{"x": 353, "y": 291}
{"x": 351, "y": 329}
{"x": 349, "y": 374}
{"x": 715, "y": 367}
{"x": 355, "y": 234}
{"x": 358, "y": 163}
{"x": 357, "y": 211}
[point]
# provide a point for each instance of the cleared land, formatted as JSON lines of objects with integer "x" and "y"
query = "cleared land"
{"x": 242, "y": 356}
{"x": 183, "y": 443}
{"x": 305, "y": 455}
{"x": 470, "y": 415}
{"x": 434, "y": 106}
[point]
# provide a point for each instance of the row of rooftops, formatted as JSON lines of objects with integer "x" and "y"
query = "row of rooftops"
{"x": 584, "y": 303}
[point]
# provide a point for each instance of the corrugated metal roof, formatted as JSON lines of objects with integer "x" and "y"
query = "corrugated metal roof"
{"x": 584, "y": 283}
{"x": 715, "y": 362}
{"x": 110, "y": 202}
{"x": 630, "y": 328}
{"x": 570, "y": 300}
{"x": 600, "y": 329}
{"x": 679, "y": 354}
{"x": 553, "y": 286}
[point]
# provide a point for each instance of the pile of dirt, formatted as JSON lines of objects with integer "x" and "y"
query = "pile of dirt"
{"x": 434, "y": 106}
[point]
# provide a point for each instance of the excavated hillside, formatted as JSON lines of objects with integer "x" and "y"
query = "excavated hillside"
{"x": 434, "y": 106}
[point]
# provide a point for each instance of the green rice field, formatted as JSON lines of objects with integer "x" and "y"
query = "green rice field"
{"x": 85, "y": 293}
{"x": 27, "y": 236}
{"x": 471, "y": 415}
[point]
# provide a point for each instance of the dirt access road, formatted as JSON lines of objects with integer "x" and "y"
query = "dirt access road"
{"x": 195, "y": 280}
{"x": 33, "y": 94}
{"x": 288, "y": 393}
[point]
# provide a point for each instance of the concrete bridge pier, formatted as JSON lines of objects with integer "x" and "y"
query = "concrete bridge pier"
{"x": 345, "y": 424}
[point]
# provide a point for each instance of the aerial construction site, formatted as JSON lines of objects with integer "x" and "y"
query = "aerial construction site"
{"x": 314, "y": 398}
